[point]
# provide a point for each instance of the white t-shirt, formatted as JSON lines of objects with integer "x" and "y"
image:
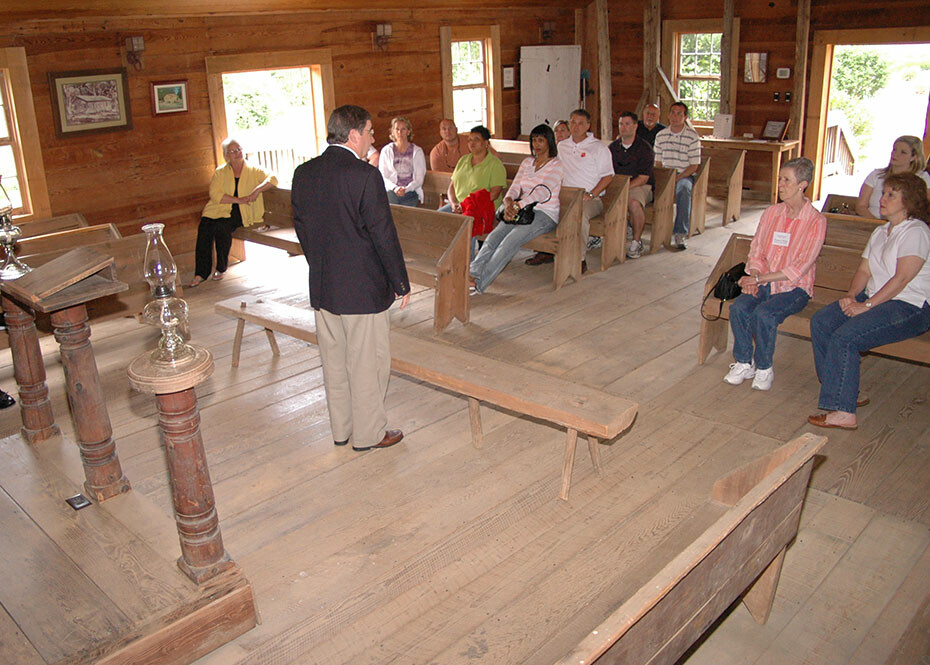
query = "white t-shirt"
{"x": 909, "y": 238}
{"x": 876, "y": 181}
{"x": 585, "y": 163}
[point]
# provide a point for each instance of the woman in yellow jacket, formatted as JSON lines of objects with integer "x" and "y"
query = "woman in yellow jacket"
{"x": 235, "y": 200}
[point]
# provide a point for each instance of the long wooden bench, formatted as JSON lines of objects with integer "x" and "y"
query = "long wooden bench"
{"x": 38, "y": 227}
{"x": 610, "y": 226}
{"x": 726, "y": 179}
{"x": 580, "y": 409}
{"x": 67, "y": 239}
{"x": 739, "y": 556}
{"x": 835, "y": 268}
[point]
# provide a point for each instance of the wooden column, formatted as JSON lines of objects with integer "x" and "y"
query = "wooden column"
{"x": 604, "y": 87}
{"x": 726, "y": 57}
{"x": 652, "y": 28}
{"x": 203, "y": 555}
{"x": 104, "y": 476}
{"x": 29, "y": 370}
{"x": 796, "y": 128}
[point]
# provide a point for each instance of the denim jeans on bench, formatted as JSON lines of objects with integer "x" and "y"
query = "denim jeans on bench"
{"x": 758, "y": 317}
{"x": 501, "y": 245}
{"x": 838, "y": 339}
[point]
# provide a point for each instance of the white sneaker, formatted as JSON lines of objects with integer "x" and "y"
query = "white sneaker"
{"x": 635, "y": 249}
{"x": 678, "y": 241}
{"x": 629, "y": 232}
{"x": 594, "y": 242}
{"x": 739, "y": 372}
{"x": 763, "y": 379}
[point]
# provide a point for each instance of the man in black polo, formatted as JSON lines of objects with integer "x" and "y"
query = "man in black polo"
{"x": 633, "y": 156}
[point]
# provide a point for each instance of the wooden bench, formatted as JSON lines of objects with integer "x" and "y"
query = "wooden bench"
{"x": 280, "y": 216}
{"x": 39, "y": 227}
{"x": 580, "y": 409}
{"x": 660, "y": 214}
{"x": 739, "y": 556}
{"x": 835, "y": 268}
{"x": 610, "y": 226}
{"x": 726, "y": 179}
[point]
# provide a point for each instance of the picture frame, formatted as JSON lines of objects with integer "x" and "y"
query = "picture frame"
{"x": 754, "y": 70}
{"x": 775, "y": 130}
{"x": 508, "y": 77}
{"x": 169, "y": 97}
{"x": 90, "y": 101}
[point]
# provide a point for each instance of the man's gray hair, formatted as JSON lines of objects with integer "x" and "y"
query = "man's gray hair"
{"x": 343, "y": 120}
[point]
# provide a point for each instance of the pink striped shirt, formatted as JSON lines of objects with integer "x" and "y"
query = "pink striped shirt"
{"x": 528, "y": 177}
{"x": 797, "y": 252}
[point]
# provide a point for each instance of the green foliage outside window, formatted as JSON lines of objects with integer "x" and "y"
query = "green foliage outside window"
{"x": 699, "y": 74}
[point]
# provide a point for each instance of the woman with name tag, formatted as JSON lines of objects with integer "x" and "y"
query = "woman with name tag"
{"x": 779, "y": 277}
{"x": 888, "y": 300}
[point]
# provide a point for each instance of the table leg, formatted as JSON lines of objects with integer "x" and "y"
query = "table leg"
{"x": 104, "y": 476}
{"x": 29, "y": 370}
{"x": 203, "y": 555}
{"x": 776, "y": 168}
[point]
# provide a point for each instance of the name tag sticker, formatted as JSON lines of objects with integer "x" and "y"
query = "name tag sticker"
{"x": 781, "y": 239}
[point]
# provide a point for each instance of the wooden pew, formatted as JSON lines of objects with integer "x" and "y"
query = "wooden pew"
{"x": 278, "y": 213}
{"x": 511, "y": 162}
{"x": 726, "y": 179}
{"x": 578, "y": 408}
{"x": 660, "y": 214}
{"x": 66, "y": 240}
{"x": 435, "y": 186}
{"x": 699, "y": 198}
{"x": 850, "y": 230}
{"x": 611, "y": 224}
{"x": 39, "y": 227}
{"x": 739, "y": 556}
{"x": 840, "y": 204}
{"x": 437, "y": 251}
{"x": 835, "y": 268}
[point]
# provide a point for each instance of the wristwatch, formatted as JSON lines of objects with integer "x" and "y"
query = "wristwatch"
{"x": 868, "y": 304}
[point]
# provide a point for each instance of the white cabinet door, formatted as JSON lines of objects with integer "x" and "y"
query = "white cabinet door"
{"x": 550, "y": 84}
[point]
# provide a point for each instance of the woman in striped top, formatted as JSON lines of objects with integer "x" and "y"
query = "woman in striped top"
{"x": 779, "y": 275}
{"x": 538, "y": 181}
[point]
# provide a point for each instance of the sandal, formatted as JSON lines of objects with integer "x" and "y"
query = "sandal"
{"x": 196, "y": 281}
{"x": 217, "y": 276}
{"x": 820, "y": 420}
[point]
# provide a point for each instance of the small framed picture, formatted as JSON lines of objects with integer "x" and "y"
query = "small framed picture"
{"x": 91, "y": 100}
{"x": 508, "y": 77}
{"x": 775, "y": 130}
{"x": 169, "y": 97}
{"x": 754, "y": 71}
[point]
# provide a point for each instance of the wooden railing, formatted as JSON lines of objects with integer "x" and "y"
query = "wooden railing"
{"x": 280, "y": 161}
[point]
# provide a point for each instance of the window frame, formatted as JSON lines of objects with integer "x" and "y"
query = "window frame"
{"x": 672, "y": 31}
{"x": 24, "y": 135}
{"x": 490, "y": 37}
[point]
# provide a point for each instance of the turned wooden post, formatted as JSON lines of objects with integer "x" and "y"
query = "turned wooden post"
{"x": 104, "y": 476}
{"x": 29, "y": 370}
{"x": 203, "y": 555}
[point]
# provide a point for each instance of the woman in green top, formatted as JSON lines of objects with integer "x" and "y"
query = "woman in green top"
{"x": 480, "y": 169}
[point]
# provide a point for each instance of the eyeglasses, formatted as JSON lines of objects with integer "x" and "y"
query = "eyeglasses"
{"x": 234, "y": 150}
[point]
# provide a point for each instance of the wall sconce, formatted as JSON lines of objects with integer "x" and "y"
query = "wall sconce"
{"x": 134, "y": 48}
{"x": 548, "y": 29}
{"x": 382, "y": 35}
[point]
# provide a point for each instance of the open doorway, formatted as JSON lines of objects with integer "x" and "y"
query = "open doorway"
{"x": 878, "y": 92}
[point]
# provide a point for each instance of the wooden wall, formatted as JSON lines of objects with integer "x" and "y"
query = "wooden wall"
{"x": 159, "y": 170}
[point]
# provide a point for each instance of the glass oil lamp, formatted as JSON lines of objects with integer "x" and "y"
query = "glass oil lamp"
{"x": 165, "y": 312}
{"x": 12, "y": 267}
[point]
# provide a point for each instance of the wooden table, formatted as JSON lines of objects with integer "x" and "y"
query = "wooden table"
{"x": 775, "y": 148}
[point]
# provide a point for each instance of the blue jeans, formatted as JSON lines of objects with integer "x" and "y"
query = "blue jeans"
{"x": 409, "y": 199}
{"x": 758, "y": 317}
{"x": 501, "y": 245}
{"x": 838, "y": 339}
{"x": 683, "y": 205}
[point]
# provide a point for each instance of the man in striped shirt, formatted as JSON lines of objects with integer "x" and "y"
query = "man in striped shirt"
{"x": 679, "y": 147}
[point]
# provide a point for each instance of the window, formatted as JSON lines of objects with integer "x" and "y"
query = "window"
{"x": 698, "y": 74}
{"x": 469, "y": 84}
{"x": 471, "y": 76}
{"x": 20, "y": 152}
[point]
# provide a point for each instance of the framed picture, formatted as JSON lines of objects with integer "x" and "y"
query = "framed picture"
{"x": 508, "y": 77}
{"x": 93, "y": 100}
{"x": 754, "y": 71}
{"x": 169, "y": 97}
{"x": 775, "y": 130}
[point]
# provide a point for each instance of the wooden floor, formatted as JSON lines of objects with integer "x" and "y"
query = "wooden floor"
{"x": 435, "y": 552}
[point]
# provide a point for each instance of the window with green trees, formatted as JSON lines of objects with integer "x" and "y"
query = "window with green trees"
{"x": 698, "y": 74}
{"x": 470, "y": 84}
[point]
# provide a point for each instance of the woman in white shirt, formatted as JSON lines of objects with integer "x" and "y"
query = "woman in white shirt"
{"x": 888, "y": 300}
{"x": 907, "y": 156}
{"x": 403, "y": 165}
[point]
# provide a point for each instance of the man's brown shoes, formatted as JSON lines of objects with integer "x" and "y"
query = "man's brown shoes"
{"x": 391, "y": 437}
{"x": 539, "y": 259}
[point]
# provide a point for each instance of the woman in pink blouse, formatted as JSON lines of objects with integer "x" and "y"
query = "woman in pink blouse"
{"x": 779, "y": 275}
{"x": 538, "y": 182}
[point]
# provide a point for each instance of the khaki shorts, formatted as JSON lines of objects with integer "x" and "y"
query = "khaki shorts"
{"x": 641, "y": 194}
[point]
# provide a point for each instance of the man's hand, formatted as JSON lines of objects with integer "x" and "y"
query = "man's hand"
{"x": 404, "y": 299}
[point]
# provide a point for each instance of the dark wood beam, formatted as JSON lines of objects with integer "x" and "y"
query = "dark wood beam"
{"x": 726, "y": 57}
{"x": 795, "y": 129}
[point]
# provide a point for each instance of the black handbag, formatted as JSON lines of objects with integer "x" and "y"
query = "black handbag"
{"x": 726, "y": 288}
{"x": 524, "y": 215}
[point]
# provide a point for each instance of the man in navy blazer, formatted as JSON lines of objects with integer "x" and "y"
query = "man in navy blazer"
{"x": 347, "y": 233}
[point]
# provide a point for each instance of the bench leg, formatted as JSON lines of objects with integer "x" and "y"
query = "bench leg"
{"x": 594, "y": 447}
{"x": 568, "y": 463}
{"x": 237, "y": 342}
{"x": 758, "y": 599}
{"x": 474, "y": 414}
{"x": 713, "y": 336}
{"x": 274, "y": 343}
